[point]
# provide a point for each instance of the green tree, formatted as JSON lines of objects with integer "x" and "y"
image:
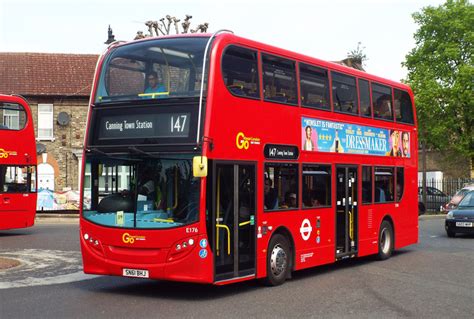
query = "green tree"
{"x": 441, "y": 74}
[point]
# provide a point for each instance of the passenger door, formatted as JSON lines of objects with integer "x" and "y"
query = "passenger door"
{"x": 233, "y": 220}
{"x": 346, "y": 211}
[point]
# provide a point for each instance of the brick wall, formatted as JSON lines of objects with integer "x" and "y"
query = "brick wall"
{"x": 67, "y": 138}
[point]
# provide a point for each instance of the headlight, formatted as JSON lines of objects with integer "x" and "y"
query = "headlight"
{"x": 450, "y": 215}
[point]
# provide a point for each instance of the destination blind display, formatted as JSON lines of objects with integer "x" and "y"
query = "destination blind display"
{"x": 165, "y": 125}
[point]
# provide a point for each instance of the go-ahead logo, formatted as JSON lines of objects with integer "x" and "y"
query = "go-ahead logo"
{"x": 243, "y": 142}
{"x": 5, "y": 154}
{"x": 130, "y": 239}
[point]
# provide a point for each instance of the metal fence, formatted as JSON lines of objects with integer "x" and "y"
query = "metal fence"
{"x": 440, "y": 191}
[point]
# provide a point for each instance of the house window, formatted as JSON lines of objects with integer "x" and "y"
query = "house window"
{"x": 45, "y": 121}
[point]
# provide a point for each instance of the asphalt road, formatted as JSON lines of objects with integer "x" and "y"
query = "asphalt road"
{"x": 434, "y": 279}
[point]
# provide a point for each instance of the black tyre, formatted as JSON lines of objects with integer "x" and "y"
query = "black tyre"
{"x": 450, "y": 233}
{"x": 386, "y": 241}
{"x": 278, "y": 260}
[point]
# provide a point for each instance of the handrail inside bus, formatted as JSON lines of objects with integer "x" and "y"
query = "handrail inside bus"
{"x": 168, "y": 209}
{"x": 228, "y": 236}
{"x": 202, "y": 79}
{"x": 218, "y": 212}
{"x": 244, "y": 223}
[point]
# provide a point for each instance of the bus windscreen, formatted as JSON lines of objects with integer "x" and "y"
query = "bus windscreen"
{"x": 153, "y": 70}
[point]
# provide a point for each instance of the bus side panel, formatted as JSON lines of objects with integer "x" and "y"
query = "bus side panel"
{"x": 312, "y": 236}
{"x": 407, "y": 214}
{"x": 16, "y": 219}
{"x": 368, "y": 229}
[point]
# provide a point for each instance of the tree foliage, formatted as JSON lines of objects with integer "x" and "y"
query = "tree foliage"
{"x": 441, "y": 74}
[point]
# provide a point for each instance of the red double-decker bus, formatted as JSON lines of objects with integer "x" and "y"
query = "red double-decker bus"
{"x": 17, "y": 164}
{"x": 216, "y": 159}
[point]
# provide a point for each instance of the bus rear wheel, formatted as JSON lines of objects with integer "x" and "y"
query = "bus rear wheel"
{"x": 385, "y": 240}
{"x": 278, "y": 260}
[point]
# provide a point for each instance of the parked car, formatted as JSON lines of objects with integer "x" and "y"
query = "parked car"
{"x": 461, "y": 219}
{"x": 453, "y": 203}
{"x": 435, "y": 199}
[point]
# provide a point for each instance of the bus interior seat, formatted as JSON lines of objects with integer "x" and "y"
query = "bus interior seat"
{"x": 236, "y": 89}
{"x": 114, "y": 203}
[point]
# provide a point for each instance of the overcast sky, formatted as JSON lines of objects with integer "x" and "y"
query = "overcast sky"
{"x": 326, "y": 29}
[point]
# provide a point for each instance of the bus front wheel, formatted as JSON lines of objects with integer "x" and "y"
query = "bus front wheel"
{"x": 278, "y": 260}
{"x": 385, "y": 240}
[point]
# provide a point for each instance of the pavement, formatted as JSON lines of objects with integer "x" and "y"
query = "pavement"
{"x": 57, "y": 218}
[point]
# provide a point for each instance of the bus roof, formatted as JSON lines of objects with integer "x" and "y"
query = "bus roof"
{"x": 230, "y": 37}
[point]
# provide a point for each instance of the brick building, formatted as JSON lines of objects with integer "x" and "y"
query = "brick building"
{"x": 57, "y": 87}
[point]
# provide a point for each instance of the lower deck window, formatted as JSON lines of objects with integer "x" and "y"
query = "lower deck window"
{"x": 316, "y": 185}
{"x": 400, "y": 183}
{"x": 367, "y": 185}
{"x": 384, "y": 184}
{"x": 17, "y": 179}
{"x": 281, "y": 186}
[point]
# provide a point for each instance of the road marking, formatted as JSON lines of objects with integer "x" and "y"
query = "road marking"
{"x": 434, "y": 236}
{"x": 42, "y": 267}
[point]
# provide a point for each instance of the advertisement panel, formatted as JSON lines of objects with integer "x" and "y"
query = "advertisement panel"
{"x": 337, "y": 137}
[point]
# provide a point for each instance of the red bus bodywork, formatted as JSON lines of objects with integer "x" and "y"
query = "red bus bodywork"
{"x": 228, "y": 120}
{"x": 18, "y": 149}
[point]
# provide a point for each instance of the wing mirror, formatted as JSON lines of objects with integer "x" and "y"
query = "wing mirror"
{"x": 200, "y": 166}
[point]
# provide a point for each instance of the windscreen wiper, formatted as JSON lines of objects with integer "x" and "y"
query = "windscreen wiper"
{"x": 94, "y": 150}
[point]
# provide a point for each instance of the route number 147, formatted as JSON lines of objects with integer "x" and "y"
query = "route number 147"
{"x": 178, "y": 123}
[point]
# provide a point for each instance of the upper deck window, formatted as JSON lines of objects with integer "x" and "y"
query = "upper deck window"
{"x": 240, "y": 71}
{"x": 344, "y": 93}
{"x": 364, "y": 93}
{"x": 314, "y": 87}
{"x": 279, "y": 79}
{"x": 403, "y": 107}
{"x": 12, "y": 116}
{"x": 382, "y": 101}
{"x": 154, "y": 69}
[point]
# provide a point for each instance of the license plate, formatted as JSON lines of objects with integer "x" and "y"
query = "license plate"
{"x": 139, "y": 273}
{"x": 463, "y": 224}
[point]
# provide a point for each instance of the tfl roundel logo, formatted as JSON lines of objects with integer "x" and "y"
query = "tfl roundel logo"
{"x": 306, "y": 229}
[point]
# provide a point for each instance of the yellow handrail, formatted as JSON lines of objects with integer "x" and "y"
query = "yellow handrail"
{"x": 169, "y": 220}
{"x": 351, "y": 225}
{"x": 153, "y": 94}
{"x": 218, "y": 209}
{"x": 351, "y": 215}
{"x": 175, "y": 189}
{"x": 228, "y": 236}
{"x": 244, "y": 223}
